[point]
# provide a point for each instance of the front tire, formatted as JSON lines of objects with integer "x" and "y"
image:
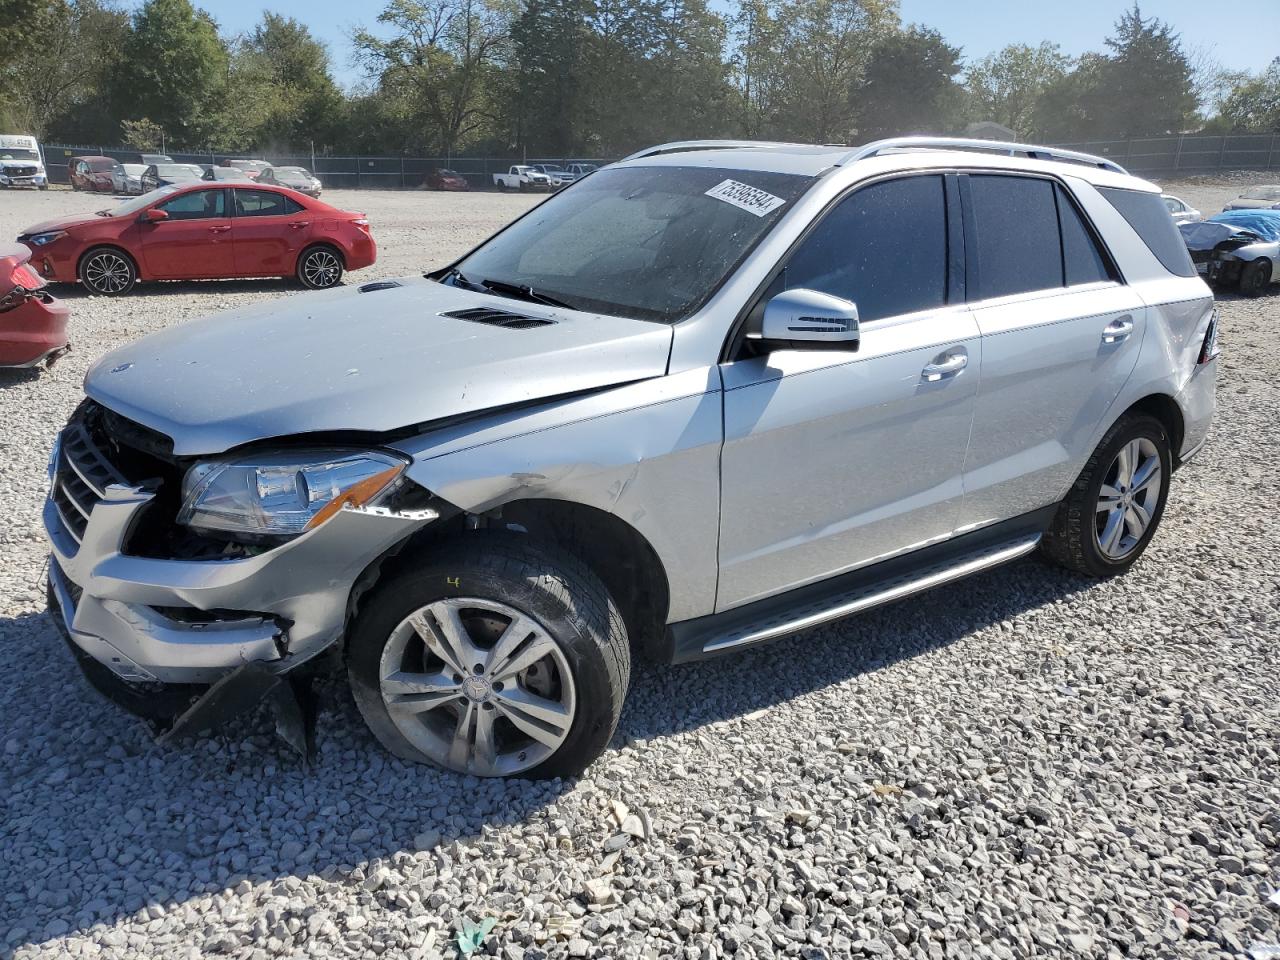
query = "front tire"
{"x": 1254, "y": 278}
{"x": 108, "y": 271}
{"x": 496, "y": 656}
{"x": 1115, "y": 506}
{"x": 319, "y": 268}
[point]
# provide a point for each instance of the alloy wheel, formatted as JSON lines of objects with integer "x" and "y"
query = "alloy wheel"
{"x": 477, "y": 686}
{"x": 107, "y": 272}
{"x": 321, "y": 269}
{"x": 1128, "y": 498}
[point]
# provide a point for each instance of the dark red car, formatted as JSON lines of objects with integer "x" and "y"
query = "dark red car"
{"x": 33, "y": 325}
{"x": 91, "y": 173}
{"x": 203, "y": 231}
{"x": 447, "y": 180}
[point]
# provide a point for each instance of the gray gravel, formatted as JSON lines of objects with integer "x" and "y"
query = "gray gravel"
{"x": 1026, "y": 764}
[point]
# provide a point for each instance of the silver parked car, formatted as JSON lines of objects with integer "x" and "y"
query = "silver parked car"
{"x": 1265, "y": 197}
{"x": 1237, "y": 248}
{"x": 716, "y": 394}
{"x": 126, "y": 178}
{"x": 1180, "y": 210}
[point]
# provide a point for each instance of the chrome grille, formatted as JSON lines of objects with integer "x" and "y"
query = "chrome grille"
{"x": 81, "y": 476}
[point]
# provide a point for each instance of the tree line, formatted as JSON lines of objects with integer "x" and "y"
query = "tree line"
{"x": 592, "y": 78}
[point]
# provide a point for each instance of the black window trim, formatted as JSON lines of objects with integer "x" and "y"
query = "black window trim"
{"x": 955, "y": 279}
{"x": 249, "y": 216}
{"x": 971, "y": 239}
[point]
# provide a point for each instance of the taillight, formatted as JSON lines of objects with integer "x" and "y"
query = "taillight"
{"x": 1209, "y": 349}
{"x": 26, "y": 277}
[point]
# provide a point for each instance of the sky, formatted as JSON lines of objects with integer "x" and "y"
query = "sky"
{"x": 978, "y": 26}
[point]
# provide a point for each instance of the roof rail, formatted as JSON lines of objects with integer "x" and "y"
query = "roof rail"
{"x": 982, "y": 146}
{"x": 682, "y": 146}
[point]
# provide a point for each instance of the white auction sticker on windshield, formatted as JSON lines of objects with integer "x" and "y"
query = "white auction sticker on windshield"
{"x": 746, "y": 197}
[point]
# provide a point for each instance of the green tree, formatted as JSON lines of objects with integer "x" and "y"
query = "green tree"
{"x": 909, "y": 86}
{"x": 757, "y": 71}
{"x": 1253, "y": 104}
{"x": 174, "y": 72}
{"x": 438, "y": 67}
{"x": 1006, "y": 86}
{"x": 1147, "y": 87}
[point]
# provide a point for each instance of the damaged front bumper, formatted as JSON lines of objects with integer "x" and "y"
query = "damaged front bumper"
{"x": 172, "y": 621}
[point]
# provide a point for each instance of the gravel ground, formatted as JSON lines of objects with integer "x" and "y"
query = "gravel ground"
{"x": 1028, "y": 764}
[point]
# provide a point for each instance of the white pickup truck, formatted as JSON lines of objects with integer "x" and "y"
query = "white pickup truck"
{"x": 522, "y": 177}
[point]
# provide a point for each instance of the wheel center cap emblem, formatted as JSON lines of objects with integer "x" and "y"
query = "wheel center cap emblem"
{"x": 476, "y": 688}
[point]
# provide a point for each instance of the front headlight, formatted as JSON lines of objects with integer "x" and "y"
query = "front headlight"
{"x": 42, "y": 239}
{"x": 284, "y": 494}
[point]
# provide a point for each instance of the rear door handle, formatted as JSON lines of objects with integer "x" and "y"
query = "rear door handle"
{"x": 222, "y": 229}
{"x": 1117, "y": 330}
{"x": 949, "y": 367}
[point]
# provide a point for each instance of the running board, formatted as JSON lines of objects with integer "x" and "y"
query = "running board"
{"x": 816, "y": 604}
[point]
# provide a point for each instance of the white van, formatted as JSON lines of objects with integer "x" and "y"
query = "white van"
{"x": 21, "y": 162}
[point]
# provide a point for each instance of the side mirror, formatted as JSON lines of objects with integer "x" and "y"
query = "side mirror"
{"x": 152, "y": 216}
{"x": 804, "y": 318}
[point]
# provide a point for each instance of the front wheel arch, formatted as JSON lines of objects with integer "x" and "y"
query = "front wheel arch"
{"x": 84, "y": 258}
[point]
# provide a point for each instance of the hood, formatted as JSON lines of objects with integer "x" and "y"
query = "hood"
{"x": 368, "y": 361}
{"x": 61, "y": 223}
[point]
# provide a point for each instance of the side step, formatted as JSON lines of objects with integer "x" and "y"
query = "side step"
{"x": 850, "y": 593}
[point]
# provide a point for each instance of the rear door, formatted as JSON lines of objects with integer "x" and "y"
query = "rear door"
{"x": 270, "y": 229}
{"x": 1060, "y": 336}
{"x": 834, "y": 459}
{"x": 194, "y": 242}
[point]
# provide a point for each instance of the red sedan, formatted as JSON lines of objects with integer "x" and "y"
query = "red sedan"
{"x": 91, "y": 173}
{"x": 33, "y": 325}
{"x": 203, "y": 231}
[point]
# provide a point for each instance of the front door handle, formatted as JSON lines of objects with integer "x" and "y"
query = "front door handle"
{"x": 222, "y": 229}
{"x": 1117, "y": 330}
{"x": 949, "y": 367}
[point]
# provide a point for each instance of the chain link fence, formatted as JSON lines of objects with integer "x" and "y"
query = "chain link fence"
{"x": 356, "y": 173}
{"x": 1165, "y": 156}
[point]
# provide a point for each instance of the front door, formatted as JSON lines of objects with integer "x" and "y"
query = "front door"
{"x": 1060, "y": 337}
{"x": 194, "y": 242}
{"x": 835, "y": 459}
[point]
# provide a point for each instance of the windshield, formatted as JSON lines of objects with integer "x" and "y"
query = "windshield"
{"x": 12, "y": 153}
{"x": 651, "y": 243}
{"x": 1261, "y": 193}
{"x": 290, "y": 172}
{"x": 137, "y": 203}
{"x": 106, "y": 163}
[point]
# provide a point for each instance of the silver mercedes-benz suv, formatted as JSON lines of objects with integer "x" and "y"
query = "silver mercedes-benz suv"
{"x": 711, "y": 395}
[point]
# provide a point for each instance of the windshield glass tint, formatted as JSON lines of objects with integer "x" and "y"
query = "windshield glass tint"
{"x": 137, "y": 203}
{"x": 643, "y": 242}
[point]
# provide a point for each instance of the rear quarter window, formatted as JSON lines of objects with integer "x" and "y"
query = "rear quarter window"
{"x": 1150, "y": 219}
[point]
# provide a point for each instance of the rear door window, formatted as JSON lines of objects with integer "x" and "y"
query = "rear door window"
{"x": 1150, "y": 219}
{"x": 1019, "y": 249}
{"x": 264, "y": 203}
{"x": 884, "y": 247}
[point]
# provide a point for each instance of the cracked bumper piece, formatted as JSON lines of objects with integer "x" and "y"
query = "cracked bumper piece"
{"x": 193, "y": 621}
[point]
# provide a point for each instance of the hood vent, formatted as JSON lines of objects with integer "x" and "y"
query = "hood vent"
{"x": 379, "y": 285}
{"x": 499, "y": 318}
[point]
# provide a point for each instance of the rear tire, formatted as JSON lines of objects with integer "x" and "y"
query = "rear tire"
{"x": 1114, "y": 507}
{"x": 1254, "y": 278}
{"x": 108, "y": 271}
{"x": 567, "y": 642}
{"x": 320, "y": 268}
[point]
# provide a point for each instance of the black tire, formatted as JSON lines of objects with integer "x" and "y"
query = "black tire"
{"x": 1073, "y": 539}
{"x": 320, "y": 267}
{"x": 108, "y": 271}
{"x": 542, "y": 583}
{"x": 1254, "y": 278}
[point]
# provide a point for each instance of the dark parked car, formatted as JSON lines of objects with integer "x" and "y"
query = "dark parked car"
{"x": 33, "y": 325}
{"x": 167, "y": 174}
{"x": 1236, "y": 248}
{"x": 90, "y": 173}
{"x": 295, "y": 178}
{"x": 441, "y": 179}
{"x": 225, "y": 173}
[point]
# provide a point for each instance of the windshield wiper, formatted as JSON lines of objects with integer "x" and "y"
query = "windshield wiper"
{"x": 458, "y": 279}
{"x": 524, "y": 293}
